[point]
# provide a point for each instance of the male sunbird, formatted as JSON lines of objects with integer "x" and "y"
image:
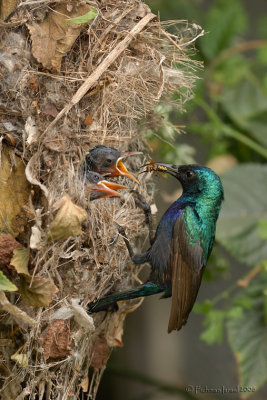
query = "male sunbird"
{"x": 182, "y": 244}
{"x": 107, "y": 161}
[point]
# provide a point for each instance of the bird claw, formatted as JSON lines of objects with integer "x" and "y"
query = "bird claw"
{"x": 125, "y": 238}
{"x": 120, "y": 229}
{"x": 141, "y": 201}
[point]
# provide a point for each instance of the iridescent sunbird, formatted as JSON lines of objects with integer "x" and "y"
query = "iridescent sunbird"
{"x": 182, "y": 244}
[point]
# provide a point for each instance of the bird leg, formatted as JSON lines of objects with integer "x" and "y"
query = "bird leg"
{"x": 142, "y": 203}
{"x": 136, "y": 258}
{"x": 147, "y": 289}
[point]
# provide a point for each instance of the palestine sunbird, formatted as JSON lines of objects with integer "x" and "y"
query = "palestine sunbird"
{"x": 182, "y": 244}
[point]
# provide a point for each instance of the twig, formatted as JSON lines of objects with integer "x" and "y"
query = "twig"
{"x": 15, "y": 311}
{"x": 147, "y": 380}
{"x": 112, "y": 24}
{"x": 248, "y": 278}
{"x": 243, "y": 282}
{"x": 4, "y": 24}
{"x": 194, "y": 39}
{"x": 229, "y": 131}
{"x": 25, "y": 392}
{"x": 239, "y": 48}
{"x": 93, "y": 78}
{"x": 29, "y": 389}
{"x": 33, "y": 2}
{"x": 171, "y": 40}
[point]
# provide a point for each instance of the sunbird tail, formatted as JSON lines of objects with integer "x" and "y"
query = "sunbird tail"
{"x": 147, "y": 289}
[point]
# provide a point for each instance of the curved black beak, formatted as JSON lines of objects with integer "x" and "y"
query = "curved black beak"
{"x": 162, "y": 167}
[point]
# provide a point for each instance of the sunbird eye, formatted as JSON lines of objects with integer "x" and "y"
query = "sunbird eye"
{"x": 189, "y": 174}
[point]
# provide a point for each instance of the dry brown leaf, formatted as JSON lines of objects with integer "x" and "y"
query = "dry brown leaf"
{"x": 7, "y": 246}
{"x": 115, "y": 330}
{"x": 68, "y": 221}
{"x": 34, "y": 84}
{"x": 21, "y": 359}
{"x": 37, "y": 291}
{"x": 54, "y": 37}
{"x": 50, "y": 109}
{"x": 14, "y": 194}
{"x": 88, "y": 120}
{"x": 82, "y": 318}
{"x": 55, "y": 339}
{"x": 30, "y": 173}
{"x": 101, "y": 352}
{"x": 7, "y": 7}
{"x": 20, "y": 260}
{"x": 115, "y": 327}
{"x": 31, "y": 130}
{"x": 20, "y": 316}
{"x": 85, "y": 384}
{"x": 36, "y": 238}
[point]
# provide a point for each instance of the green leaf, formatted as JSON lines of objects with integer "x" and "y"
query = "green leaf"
{"x": 244, "y": 302}
{"x": 84, "y": 19}
{"x": 262, "y": 26}
{"x": 246, "y": 105}
{"x": 231, "y": 71}
{"x": 5, "y": 284}
{"x": 248, "y": 338}
{"x": 214, "y": 323}
{"x": 264, "y": 84}
{"x": 224, "y": 21}
{"x": 263, "y": 228}
{"x": 265, "y": 306}
{"x": 262, "y": 55}
{"x": 245, "y": 204}
{"x": 203, "y": 308}
{"x": 181, "y": 154}
{"x": 256, "y": 126}
{"x": 235, "y": 312}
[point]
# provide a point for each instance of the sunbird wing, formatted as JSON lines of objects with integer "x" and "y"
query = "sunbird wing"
{"x": 187, "y": 266}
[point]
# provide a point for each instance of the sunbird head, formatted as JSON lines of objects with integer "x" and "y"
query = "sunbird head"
{"x": 195, "y": 179}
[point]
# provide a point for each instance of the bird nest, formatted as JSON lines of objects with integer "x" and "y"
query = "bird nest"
{"x": 66, "y": 86}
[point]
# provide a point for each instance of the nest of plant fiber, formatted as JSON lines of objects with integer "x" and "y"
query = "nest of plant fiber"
{"x": 65, "y": 87}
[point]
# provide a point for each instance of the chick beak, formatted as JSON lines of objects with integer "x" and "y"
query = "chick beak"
{"x": 108, "y": 189}
{"x": 121, "y": 170}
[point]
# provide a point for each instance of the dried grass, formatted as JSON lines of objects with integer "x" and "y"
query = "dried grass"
{"x": 153, "y": 65}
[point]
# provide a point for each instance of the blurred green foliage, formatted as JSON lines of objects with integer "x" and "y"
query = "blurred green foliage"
{"x": 229, "y": 115}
